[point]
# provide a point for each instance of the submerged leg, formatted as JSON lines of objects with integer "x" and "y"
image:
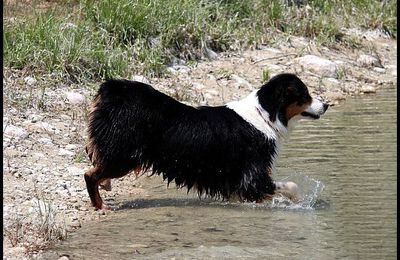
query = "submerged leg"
{"x": 288, "y": 189}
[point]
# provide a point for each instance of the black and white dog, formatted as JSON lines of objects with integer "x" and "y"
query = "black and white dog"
{"x": 226, "y": 151}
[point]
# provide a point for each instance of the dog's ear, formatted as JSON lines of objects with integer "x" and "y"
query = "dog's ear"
{"x": 271, "y": 97}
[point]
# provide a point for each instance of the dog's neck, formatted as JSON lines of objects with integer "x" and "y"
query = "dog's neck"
{"x": 251, "y": 111}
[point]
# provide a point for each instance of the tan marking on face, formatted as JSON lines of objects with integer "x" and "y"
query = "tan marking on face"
{"x": 294, "y": 109}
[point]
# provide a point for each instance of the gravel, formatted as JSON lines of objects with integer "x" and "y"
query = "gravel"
{"x": 43, "y": 146}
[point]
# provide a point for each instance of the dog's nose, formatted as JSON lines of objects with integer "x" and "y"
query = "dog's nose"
{"x": 325, "y": 105}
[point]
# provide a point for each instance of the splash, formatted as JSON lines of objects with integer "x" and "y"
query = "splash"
{"x": 310, "y": 190}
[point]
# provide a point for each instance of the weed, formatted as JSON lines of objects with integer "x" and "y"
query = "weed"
{"x": 224, "y": 73}
{"x": 38, "y": 232}
{"x": 265, "y": 75}
{"x": 341, "y": 73}
{"x": 80, "y": 157}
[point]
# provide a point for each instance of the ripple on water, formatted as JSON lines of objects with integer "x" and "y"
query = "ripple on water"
{"x": 345, "y": 166}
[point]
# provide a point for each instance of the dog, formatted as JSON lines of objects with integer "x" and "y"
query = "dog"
{"x": 224, "y": 152}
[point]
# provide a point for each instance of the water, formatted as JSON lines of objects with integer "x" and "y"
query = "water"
{"x": 345, "y": 165}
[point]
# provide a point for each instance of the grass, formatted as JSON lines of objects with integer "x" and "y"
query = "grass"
{"x": 102, "y": 39}
{"x": 36, "y": 233}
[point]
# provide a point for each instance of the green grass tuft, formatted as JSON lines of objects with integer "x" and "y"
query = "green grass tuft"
{"x": 105, "y": 38}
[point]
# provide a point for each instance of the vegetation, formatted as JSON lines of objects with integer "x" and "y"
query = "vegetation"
{"x": 92, "y": 40}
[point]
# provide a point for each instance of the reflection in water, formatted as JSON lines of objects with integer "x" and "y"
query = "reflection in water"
{"x": 351, "y": 154}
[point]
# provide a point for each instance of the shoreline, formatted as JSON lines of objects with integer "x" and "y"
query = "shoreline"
{"x": 44, "y": 125}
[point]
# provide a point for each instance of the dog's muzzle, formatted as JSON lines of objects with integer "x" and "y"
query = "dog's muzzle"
{"x": 316, "y": 109}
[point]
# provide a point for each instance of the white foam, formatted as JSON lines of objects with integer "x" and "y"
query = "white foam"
{"x": 310, "y": 190}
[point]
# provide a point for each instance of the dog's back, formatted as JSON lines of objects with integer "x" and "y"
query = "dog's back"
{"x": 116, "y": 136}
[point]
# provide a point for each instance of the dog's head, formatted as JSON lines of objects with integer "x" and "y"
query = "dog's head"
{"x": 285, "y": 97}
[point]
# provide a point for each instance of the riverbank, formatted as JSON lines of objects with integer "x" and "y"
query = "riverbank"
{"x": 44, "y": 124}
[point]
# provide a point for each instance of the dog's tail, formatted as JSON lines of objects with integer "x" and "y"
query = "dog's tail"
{"x": 114, "y": 118}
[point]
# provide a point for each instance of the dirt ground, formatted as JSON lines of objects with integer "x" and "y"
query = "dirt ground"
{"x": 44, "y": 125}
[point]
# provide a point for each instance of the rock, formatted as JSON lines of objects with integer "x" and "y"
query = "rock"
{"x": 331, "y": 83}
{"x": 30, "y": 81}
{"x": 320, "y": 66}
{"x": 273, "y": 50}
{"x": 198, "y": 86}
{"x": 212, "y": 92}
{"x": 73, "y": 170}
{"x": 35, "y": 118}
{"x": 298, "y": 42}
{"x": 15, "y": 131}
{"x": 70, "y": 147}
{"x": 212, "y": 55}
{"x": 63, "y": 152}
{"x": 368, "y": 89}
{"x": 27, "y": 172}
{"x": 379, "y": 70}
{"x": 75, "y": 98}
{"x": 179, "y": 69}
{"x": 63, "y": 258}
{"x": 140, "y": 78}
{"x": 208, "y": 96}
{"x": 368, "y": 61}
{"x": 45, "y": 141}
{"x": 240, "y": 82}
{"x": 49, "y": 128}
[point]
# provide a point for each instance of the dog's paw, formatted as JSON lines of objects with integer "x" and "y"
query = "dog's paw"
{"x": 288, "y": 189}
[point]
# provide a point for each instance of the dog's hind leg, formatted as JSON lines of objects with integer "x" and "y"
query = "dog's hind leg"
{"x": 93, "y": 179}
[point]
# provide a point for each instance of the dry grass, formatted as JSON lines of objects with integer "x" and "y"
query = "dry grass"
{"x": 37, "y": 232}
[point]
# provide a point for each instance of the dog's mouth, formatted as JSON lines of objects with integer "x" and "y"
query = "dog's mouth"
{"x": 313, "y": 116}
{"x": 315, "y": 110}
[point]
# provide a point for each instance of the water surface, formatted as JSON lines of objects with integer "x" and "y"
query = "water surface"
{"x": 345, "y": 164}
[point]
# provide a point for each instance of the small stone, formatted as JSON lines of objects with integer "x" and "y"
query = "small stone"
{"x": 368, "y": 61}
{"x": 48, "y": 127}
{"x": 331, "y": 83}
{"x": 35, "y": 118}
{"x": 368, "y": 89}
{"x": 140, "y": 78}
{"x": 379, "y": 70}
{"x": 15, "y": 131}
{"x": 45, "y": 141}
{"x": 212, "y": 55}
{"x": 70, "y": 147}
{"x": 27, "y": 172}
{"x": 320, "y": 66}
{"x": 63, "y": 152}
{"x": 212, "y": 92}
{"x": 208, "y": 96}
{"x": 30, "y": 81}
{"x": 211, "y": 77}
{"x": 75, "y": 98}
{"x": 73, "y": 170}
{"x": 179, "y": 69}
{"x": 198, "y": 86}
{"x": 240, "y": 82}
{"x": 63, "y": 258}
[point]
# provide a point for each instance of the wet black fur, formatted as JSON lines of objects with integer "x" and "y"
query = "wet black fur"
{"x": 211, "y": 149}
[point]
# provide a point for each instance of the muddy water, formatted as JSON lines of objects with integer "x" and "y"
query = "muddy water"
{"x": 345, "y": 165}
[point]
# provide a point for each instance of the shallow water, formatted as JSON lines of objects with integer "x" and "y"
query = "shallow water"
{"x": 345, "y": 165}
